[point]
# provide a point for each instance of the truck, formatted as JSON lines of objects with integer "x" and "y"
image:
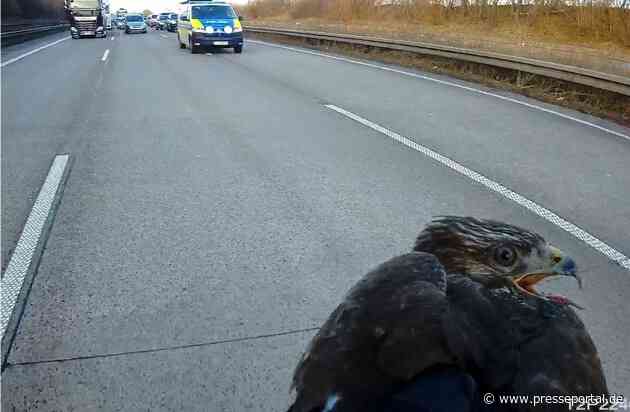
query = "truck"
{"x": 86, "y": 17}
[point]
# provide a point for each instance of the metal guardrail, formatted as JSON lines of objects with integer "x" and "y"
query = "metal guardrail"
{"x": 604, "y": 81}
{"x": 16, "y": 36}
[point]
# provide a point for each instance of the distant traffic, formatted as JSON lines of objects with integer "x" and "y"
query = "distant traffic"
{"x": 201, "y": 25}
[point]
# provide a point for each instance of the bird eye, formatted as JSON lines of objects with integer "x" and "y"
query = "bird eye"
{"x": 505, "y": 256}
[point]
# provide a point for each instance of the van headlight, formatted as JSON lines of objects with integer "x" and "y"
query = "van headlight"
{"x": 237, "y": 26}
{"x": 227, "y": 29}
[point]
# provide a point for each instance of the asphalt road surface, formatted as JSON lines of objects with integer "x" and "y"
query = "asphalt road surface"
{"x": 217, "y": 210}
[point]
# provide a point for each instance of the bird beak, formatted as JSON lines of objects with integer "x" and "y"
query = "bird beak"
{"x": 562, "y": 265}
{"x": 558, "y": 264}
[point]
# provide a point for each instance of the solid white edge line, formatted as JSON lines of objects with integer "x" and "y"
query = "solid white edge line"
{"x": 105, "y": 55}
{"x": 541, "y": 211}
{"x": 45, "y": 46}
{"x": 445, "y": 82}
{"x": 22, "y": 257}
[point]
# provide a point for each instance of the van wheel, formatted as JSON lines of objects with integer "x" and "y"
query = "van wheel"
{"x": 238, "y": 49}
{"x": 192, "y": 47}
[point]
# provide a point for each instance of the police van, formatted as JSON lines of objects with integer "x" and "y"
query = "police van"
{"x": 205, "y": 24}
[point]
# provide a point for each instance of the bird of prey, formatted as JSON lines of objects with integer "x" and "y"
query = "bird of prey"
{"x": 463, "y": 299}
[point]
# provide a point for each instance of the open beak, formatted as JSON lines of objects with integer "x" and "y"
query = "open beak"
{"x": 558, "y": 265}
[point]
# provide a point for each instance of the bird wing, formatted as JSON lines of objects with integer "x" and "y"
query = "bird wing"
{"x": 387, "y": 330}
{"x": 413, "y": 339}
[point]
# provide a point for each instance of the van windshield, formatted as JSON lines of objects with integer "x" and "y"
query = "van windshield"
{"x": 213, "y": 12}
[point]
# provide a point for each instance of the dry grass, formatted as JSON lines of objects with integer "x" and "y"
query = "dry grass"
{"x": 590, "y": 23}
{"x": 583, "y": 98}
{"x": 592, "y": 35}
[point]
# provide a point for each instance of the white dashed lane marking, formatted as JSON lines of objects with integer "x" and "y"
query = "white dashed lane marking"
{"x": 22, "y": 257}
{"x": 105, "y": 55}
{"x": 546, "y": 214}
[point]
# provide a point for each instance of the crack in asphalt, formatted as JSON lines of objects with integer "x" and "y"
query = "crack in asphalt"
{"x": 165, "y": 348}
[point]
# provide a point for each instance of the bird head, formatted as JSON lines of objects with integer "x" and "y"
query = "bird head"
{"x": 495, "y": 254}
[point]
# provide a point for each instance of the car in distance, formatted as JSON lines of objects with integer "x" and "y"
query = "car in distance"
{"x": 209, "y": 24}
{"x": 135, "y": 23}
{"x": 171, "y": 23}
{"x": 162, "y": 19}
{"x": 153, "y": 20}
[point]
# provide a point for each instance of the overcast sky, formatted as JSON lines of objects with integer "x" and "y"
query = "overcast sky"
{"x": 155, "y": 6}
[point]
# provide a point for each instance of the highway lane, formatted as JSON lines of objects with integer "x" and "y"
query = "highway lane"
{"x": 215, "y": 198}
{"x": 44, "y": 98}
{"x": 551, "y": 160}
